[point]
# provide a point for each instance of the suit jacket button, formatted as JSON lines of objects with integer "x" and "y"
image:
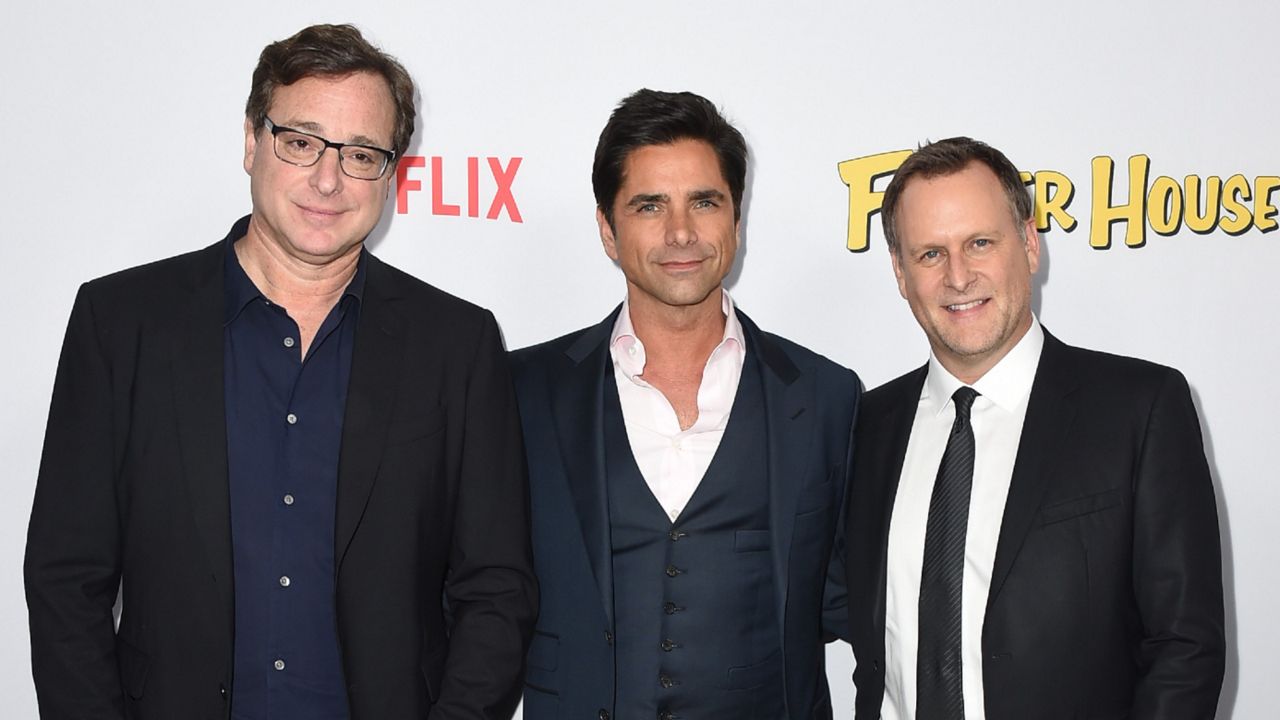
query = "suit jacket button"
{"x": 603, "y": 714}
{"x": 666, "y": 715}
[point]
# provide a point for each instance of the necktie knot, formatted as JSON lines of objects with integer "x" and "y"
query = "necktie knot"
{"x": 963, "y": 397}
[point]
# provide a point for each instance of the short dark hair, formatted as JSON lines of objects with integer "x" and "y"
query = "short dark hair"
{"x": 652, "y": 117}
{"x": 947, "y": 157}
{"x": 330, "y": 51}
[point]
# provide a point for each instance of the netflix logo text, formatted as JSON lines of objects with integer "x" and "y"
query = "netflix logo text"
{"x": 457, "y": 186}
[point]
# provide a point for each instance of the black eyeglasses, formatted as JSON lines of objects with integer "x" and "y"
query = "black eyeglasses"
{"x": 362, "y": 162}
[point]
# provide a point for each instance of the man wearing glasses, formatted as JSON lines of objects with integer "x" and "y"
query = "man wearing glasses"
{"x": 300, "y": 468}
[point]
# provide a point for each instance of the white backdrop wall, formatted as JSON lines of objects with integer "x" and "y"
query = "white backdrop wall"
{"x": 121, "y": 126}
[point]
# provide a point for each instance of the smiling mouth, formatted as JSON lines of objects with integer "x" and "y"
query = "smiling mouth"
{"x": 965, "y": 306}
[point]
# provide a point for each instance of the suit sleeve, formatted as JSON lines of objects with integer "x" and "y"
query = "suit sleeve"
{"x": 835, "y": 597}
{"x": 72, "y": 566}
{"x": 1177, "y": 565}
{"x": 491, "y": 590}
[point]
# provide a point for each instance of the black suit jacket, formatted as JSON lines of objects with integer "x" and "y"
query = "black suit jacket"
{"x": 1106, "y": 594}
{"x": 810, "y": 403}
{"x": 132, "y": 493}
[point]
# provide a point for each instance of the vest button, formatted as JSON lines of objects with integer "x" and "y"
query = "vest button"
{"x": 675, "y": 535}
{"x": 666, "y": 715}
{"x": 673, "y": 571}
{"x": 668, "y": 645}
{"x": 671, "y": 608}
{"x": 603, "y": 714}
{"x": 608, "y": 637}
{"x": 666, "y": 681}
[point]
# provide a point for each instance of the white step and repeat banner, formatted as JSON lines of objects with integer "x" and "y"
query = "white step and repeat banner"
{"x": 1148, "y": 130}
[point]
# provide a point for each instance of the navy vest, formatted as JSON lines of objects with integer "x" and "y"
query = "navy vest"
{"x": 697, "y": 633}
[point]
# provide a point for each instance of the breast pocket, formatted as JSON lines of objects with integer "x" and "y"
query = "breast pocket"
{"x": 819, "y": 496}
{"x": 414, "y": 426}
{"x": 1057, "y": 512}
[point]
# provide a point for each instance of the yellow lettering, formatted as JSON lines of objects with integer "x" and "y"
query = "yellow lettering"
{"x": 1054, "y": 192}
{"x": 1234, "y": 192}
{"x": 860, "y": 174}
{"x": 1264, "y": 210}
{"x": 1105, "y": 214}
{"x": 1164, "y": 206}
{"x": 1198, "y": 221}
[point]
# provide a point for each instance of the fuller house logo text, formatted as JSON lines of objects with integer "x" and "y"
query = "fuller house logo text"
{"x": 1162, "y": 205}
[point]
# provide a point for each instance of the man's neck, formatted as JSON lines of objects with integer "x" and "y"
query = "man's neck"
{"x": 291, "y": 282}
{"x": 678, "y": 339}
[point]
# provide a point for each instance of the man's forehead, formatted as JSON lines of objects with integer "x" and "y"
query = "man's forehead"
{"x": 357, "y": 106}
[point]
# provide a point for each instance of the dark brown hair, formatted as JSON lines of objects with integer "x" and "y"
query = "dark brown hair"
{"x": 330, "y": 51}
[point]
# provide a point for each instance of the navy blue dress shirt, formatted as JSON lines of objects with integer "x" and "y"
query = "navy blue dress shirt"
{"x": 284, "y": 430}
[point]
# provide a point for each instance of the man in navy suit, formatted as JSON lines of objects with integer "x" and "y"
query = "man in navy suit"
{"x": 1032, "y": 529}
{"x": 686, "y": 468}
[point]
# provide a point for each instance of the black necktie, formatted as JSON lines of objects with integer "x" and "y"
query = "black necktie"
{"x": 939, "y": 690}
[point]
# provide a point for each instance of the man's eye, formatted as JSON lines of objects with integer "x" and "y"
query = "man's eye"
{"x": 931, "y": 255}
{"x": 646, "y": 208}
{"x": 981, "y": 242}
{"x": 705, "y": 204}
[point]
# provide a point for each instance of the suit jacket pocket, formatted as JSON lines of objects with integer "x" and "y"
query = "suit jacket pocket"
{"x": 1066, "y": 510}
{"x": 747, "y": 677}
{"x": 133, "y": 668}
{"x": 544, "y": 651}
{"x": 416, "y": 426}
{"x": 750, "y": 540}
{"x": 819, "y": 496}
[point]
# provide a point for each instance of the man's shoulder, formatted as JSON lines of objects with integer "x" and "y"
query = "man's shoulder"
{"x": 804, "y": 359}
{"x": 1106, "y": 373}
{"x": 424, "y": 296}
{"x": 903, "y": 389}
{"x": 166, "y": 274}
{"x": 555, "y": 350}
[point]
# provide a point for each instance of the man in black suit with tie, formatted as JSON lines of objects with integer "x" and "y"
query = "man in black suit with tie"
{"x": 300, "y": 467}
{"x": 1032, "y": 526}
{"x": 687, "y": 469}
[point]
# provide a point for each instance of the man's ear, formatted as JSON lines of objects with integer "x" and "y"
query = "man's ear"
{"x": 606, "y": 235}
{"x": 250, "y": 145}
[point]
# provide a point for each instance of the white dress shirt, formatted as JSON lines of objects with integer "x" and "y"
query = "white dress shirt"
{"x": 672, "y": 460}
{"x": 996, "y": 417}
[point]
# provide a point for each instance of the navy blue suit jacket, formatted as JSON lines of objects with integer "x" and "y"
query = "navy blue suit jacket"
{"x": 810, "y": 404}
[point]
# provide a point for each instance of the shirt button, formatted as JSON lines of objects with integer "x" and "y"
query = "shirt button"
{"x": 288, "y": 342}
{"x": 278, "y": 664}
{"x": 291, "y": 419}
{"x": 631, "y": 350}
{"x": 288, "y": 499}
{"x": 284, "y": 581}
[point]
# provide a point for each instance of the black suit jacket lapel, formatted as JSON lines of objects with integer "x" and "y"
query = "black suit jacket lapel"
{"x": 371, "y": 397}
{"x": 578, "y": 408}
{"x": 200, "y": 408}
{"x": 1050, "y": 414}
{"x": 886, "y": 446}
